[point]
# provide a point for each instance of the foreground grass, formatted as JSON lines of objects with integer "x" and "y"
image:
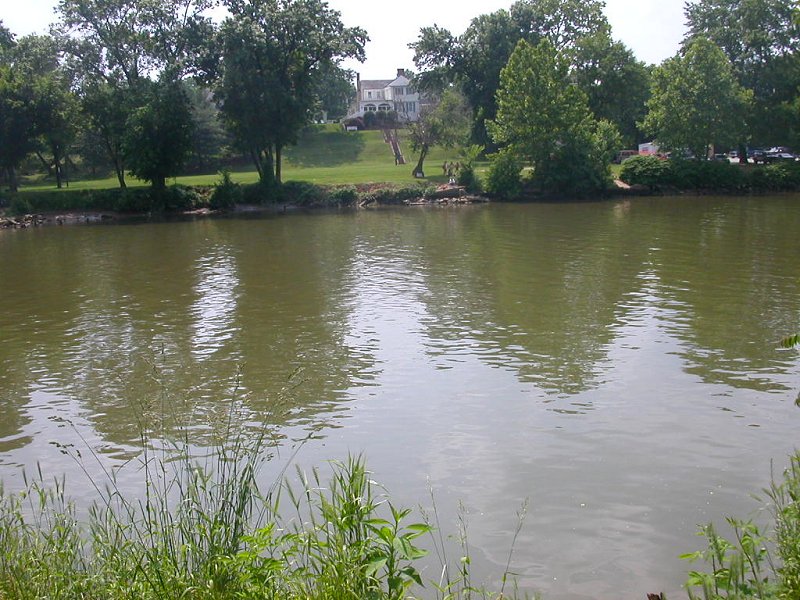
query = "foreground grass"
{"x": 756, "y": 563}
{"x": 325, "y": 155}
{"x": 204, "y": 530}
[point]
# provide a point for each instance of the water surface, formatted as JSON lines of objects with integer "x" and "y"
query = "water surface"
{"x": 616, "y": 363}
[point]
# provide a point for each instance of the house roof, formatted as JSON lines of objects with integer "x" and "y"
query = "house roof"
{"x": 400, "y": 81}
{"x": 375, "y": 84}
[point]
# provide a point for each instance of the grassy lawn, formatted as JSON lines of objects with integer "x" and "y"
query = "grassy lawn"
{"x": 324, "y": 155}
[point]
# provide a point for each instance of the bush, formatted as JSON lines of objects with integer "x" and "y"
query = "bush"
{"x": 706, "y": 175}
{"x": 344, "y": 196}
{"x": 302, "y": 193}
{"x": 468, "y": 178}
{"x": 227, "y": 194}
{"x": 645, "y": 170}
{"x": 259, "y": 193}
{"x": 503, "y": 180}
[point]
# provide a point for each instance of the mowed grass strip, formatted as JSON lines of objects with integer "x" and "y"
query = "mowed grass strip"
{"x": 325, "y": 155}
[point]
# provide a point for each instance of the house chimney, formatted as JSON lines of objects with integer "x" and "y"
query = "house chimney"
{"x": 401, "y": 72}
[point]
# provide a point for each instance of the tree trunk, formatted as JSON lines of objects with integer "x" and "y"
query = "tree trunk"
{"x": 45, "y": 163}
{"x": 268, "y": 168}
{"x": 57, "y": 168}
{"x": 418, "y": 172}
{"x": 278, "y": 164}
{"x": 13, "y": 184}
{"x": 160, "y": 183}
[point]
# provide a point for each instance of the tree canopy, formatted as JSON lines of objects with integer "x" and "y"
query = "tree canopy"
{"x": 543, "y": 117}
{"x": 761, "y": 39}
{"x": 273, "y": 52}
{"x": 475, "y": 59}
{"x": 696, "y": 101}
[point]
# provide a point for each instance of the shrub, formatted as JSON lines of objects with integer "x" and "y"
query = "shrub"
{"x": 344, "y": 196}
{"x": 302, "y": 193}
{"x": 259, "y": 193}
{"x": 503, "y": 180}
{"x": 227, "y": 194}
{"x": 468, "y": 178}
{"x": 645, "y": 170}
{"x": 706, "y": 175}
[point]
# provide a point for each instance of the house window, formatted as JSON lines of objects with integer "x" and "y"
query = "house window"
{"x": 369, "y": 95}
{"x": 369, "y": 107}
{"x": 384, "y": 108}
{"x": 410, "y": 107}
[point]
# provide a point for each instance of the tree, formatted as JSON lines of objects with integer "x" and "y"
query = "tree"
{"x": 616, "y": 84}
{"x": 272, "y": 52}
{"x": 445, "y": 124}
{"x": 543, "y": 117}
{"x": 116, "y": 47}
{"x": 159, "y": 133}
{"x": 474, "y": 60}
{"x": 334, "y": 90}
{"x": 17, "y": 123}
{"x": 761, "y": 39}
{"x": 696, "y": 101}
{"x": 38, "y": 59}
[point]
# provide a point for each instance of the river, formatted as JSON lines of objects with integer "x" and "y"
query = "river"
{"x": 616, "y": 363}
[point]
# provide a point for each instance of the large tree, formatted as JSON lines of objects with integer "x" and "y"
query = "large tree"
{"x": 696, "y": 102}
{"x": 159, "y": 132}
{"x": 273, "y": 52}
{"x": 616, "y": 83}
{"x": 17, "y": 122}
{"x": 761, "y": 39}
{"x": 474, "y": 60}
{"x": 544, "y": 118}
{"x": 37, "y": 58}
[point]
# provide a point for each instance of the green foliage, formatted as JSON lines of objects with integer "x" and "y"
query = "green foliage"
{"x": 272, "y": 53}
{"x": 743, "y": 568}
{"x": 504, "y": 181}
{"x": 696, "y": 101}
{"x": 761, "y": 38}
{"x": 791, "y": 341}
{"x": 445, "y": 125}
{"x": 544, "y": 117}
{"x": 227, "y": 194}
{"x": 474, "y": 60}
{"x": 159, "y": 133}
{"x": 616, "y": 85}
{"x": 345, "y": 195}
{"x": 652, "y": 171}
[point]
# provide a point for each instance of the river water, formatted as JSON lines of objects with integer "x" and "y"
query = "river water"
{"x": 615, "y": 363}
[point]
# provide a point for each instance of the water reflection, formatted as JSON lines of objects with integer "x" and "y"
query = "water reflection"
{"x": 214, "y": 309}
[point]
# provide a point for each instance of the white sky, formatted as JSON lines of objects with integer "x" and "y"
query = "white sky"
{"x": 653, "y": 29}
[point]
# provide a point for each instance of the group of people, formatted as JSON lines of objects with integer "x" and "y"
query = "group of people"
{"x": 451, "y": 169}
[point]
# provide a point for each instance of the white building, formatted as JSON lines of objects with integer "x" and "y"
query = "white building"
{"x": 384, "y": 95}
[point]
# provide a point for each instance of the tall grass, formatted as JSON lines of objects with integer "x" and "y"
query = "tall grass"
{"x": 203, "y": 529}
{"x": 757, "y": 562}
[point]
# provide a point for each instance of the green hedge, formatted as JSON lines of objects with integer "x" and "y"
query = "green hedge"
{"x": 712, "y": 176}
{"x": 132, "y": 200}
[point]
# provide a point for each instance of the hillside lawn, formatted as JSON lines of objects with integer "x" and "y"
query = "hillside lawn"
{"x": 325, "y": 154}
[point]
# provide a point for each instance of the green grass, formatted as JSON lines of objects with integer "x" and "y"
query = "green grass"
{"x": 325, "y": 155}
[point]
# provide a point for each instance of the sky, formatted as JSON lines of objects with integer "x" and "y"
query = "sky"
{"x": 653, "y": 29}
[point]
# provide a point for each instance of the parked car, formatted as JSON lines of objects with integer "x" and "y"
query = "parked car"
{"x": 757, "y": 155}
{"x": 778, "y": 156}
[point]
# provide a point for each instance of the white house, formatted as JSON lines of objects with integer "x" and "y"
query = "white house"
{"x": 384, "y": 95}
